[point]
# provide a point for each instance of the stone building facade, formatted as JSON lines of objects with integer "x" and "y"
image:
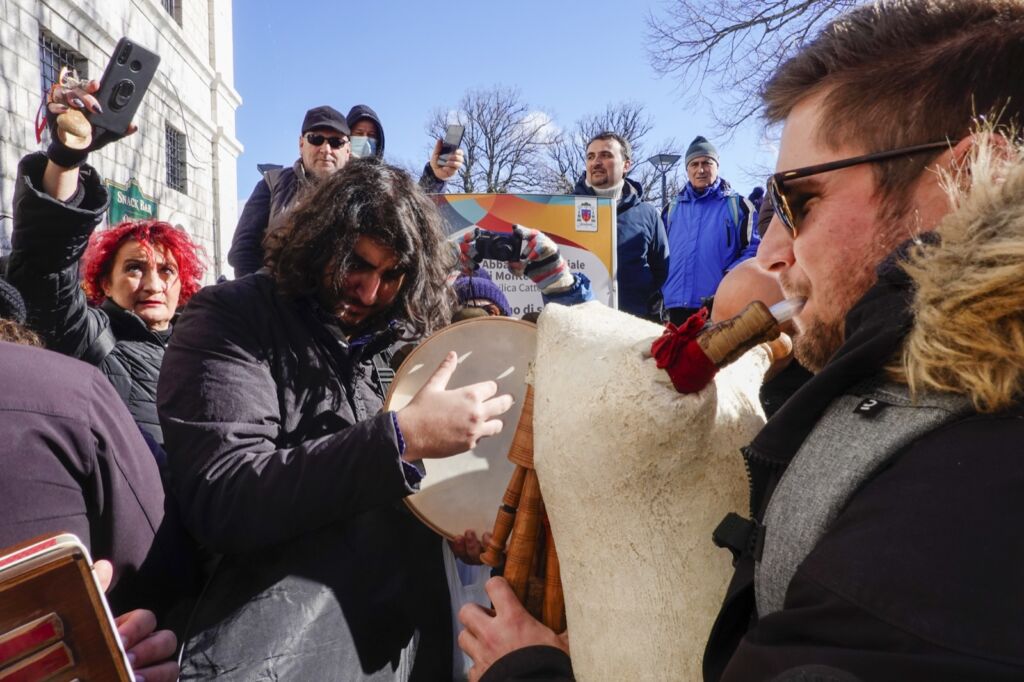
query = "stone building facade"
{"x": 182, "y": 162}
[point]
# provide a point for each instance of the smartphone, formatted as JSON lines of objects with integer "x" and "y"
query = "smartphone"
{"x": 452, "y": 138}
{"x": 124, "y": 83}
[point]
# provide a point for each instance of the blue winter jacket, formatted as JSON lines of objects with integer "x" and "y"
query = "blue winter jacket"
{"x": 706, "y": 242}
{"x": 642, "y": 250}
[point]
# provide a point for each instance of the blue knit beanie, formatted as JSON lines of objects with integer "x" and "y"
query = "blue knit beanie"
{"x": 479, "y": 285}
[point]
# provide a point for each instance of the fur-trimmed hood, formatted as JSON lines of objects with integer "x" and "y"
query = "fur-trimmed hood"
{"x": 968, "y": 307}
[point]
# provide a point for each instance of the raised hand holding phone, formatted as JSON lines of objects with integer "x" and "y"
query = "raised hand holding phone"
{"x": 122, "y": 87}
{"x": 447, "y": 158}
{"x": 84, "y": 116}
{"x": 452, "y": 138}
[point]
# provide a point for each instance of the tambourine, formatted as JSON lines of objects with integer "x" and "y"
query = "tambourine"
{"x": 460, "y": 493}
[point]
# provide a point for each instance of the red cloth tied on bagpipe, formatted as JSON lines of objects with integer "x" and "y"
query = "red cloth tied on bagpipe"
{"x": 677, "y": 352}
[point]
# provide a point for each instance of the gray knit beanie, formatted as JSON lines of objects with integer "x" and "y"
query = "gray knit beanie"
{"x": 700, "y": 147}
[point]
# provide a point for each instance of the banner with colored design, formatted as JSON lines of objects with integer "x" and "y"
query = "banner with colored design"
{"x": 582, "y": 226}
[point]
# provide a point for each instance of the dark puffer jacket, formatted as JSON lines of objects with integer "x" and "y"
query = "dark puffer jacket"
{"x": 49, "y": 238}
{"x": 284, "y": 465}
{"x": 641, "y": 248}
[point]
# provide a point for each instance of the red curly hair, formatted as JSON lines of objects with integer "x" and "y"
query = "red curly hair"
{"x": 98, "y": 261}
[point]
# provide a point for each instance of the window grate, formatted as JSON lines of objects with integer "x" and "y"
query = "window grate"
{"x": 53, "y": 56}
{"x": 177, "y": 170}
{"x": 173, "y": 8}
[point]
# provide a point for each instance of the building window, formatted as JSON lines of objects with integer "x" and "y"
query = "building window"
{"x": 173, "y": 8}
{"x": 55, "y": 55}
{"x": 177, "y": 171}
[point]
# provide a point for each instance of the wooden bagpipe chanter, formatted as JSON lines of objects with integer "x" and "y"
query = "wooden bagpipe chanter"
{"x": 603, "y": 498}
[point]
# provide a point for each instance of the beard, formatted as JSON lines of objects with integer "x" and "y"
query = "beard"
{"x": 816, "y": 342}
{"x": 819, "y": 337}
{"x": 822, "y": 330}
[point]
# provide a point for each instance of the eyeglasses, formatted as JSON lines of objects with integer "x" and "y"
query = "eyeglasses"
{"x": 777, "y": 187}
{"x": 316, "y": 139}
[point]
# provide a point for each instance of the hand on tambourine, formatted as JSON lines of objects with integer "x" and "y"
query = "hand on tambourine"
{"x": 493, "y": 633}
{"x": 544, "y": 263}
{"x": 467, "y": 548}
{"x": 71, "y": 135}
{"x": 440, "y": 422}
{"x": 149, "y": 650}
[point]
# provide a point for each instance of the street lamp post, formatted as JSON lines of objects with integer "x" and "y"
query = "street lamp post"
{"x": 664, "y": 163}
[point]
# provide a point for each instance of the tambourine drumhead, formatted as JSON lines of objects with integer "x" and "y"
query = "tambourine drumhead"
{"x": 463, "y": 492}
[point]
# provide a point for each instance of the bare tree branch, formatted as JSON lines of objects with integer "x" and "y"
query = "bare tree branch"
{"x": 733, "y": 46}
{"x": 567, "y": 153}
{"x": 503, "y": 143}
{"x": 511, "y": 147}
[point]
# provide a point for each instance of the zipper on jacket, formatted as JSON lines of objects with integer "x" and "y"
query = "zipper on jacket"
{"x": 759, "y": 465}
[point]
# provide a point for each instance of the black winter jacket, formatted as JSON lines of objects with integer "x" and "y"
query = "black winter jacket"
{"x": 916, "y": 577}
{"x": 49, "y": 238}
{"x": 285, "y": 466}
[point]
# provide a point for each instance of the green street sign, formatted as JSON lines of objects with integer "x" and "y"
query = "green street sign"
{"x": 127, "y": 202}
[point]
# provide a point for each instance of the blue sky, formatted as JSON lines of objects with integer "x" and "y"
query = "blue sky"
{"x": 407, "y": 58}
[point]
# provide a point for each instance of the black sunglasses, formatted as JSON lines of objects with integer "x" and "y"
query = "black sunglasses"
{"x": 316, "y": 139}
{"x": 777, "y": 188}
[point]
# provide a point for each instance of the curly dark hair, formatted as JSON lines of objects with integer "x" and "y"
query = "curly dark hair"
{"x": 13, "y": 332}
{"x": 311, "y": 251}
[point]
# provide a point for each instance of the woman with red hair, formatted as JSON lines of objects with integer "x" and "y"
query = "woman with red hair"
{"x": 134, "y": 276}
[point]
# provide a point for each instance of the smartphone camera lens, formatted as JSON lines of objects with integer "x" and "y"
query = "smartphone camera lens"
{"x": 135, "y": 66}
{"x": 122, "y": 56}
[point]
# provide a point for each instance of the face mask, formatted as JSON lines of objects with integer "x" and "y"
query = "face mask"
{"x": 363, "y": 146}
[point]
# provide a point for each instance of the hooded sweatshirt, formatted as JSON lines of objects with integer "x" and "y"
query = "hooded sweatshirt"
{"x": 429, "y": 182}
{"x": 360, "y": 112}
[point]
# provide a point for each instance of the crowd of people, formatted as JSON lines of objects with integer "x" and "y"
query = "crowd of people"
{"x": 224, "y": 447}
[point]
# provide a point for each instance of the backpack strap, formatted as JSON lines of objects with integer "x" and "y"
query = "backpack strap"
{"x": 742, "y": 213}
{"x": 383, "y": 372}
{"x": 100, "y": 348}
{"x": 669, "y": 211}
{"x": 856, "y": 437}
{"x": 272, "y": 176}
